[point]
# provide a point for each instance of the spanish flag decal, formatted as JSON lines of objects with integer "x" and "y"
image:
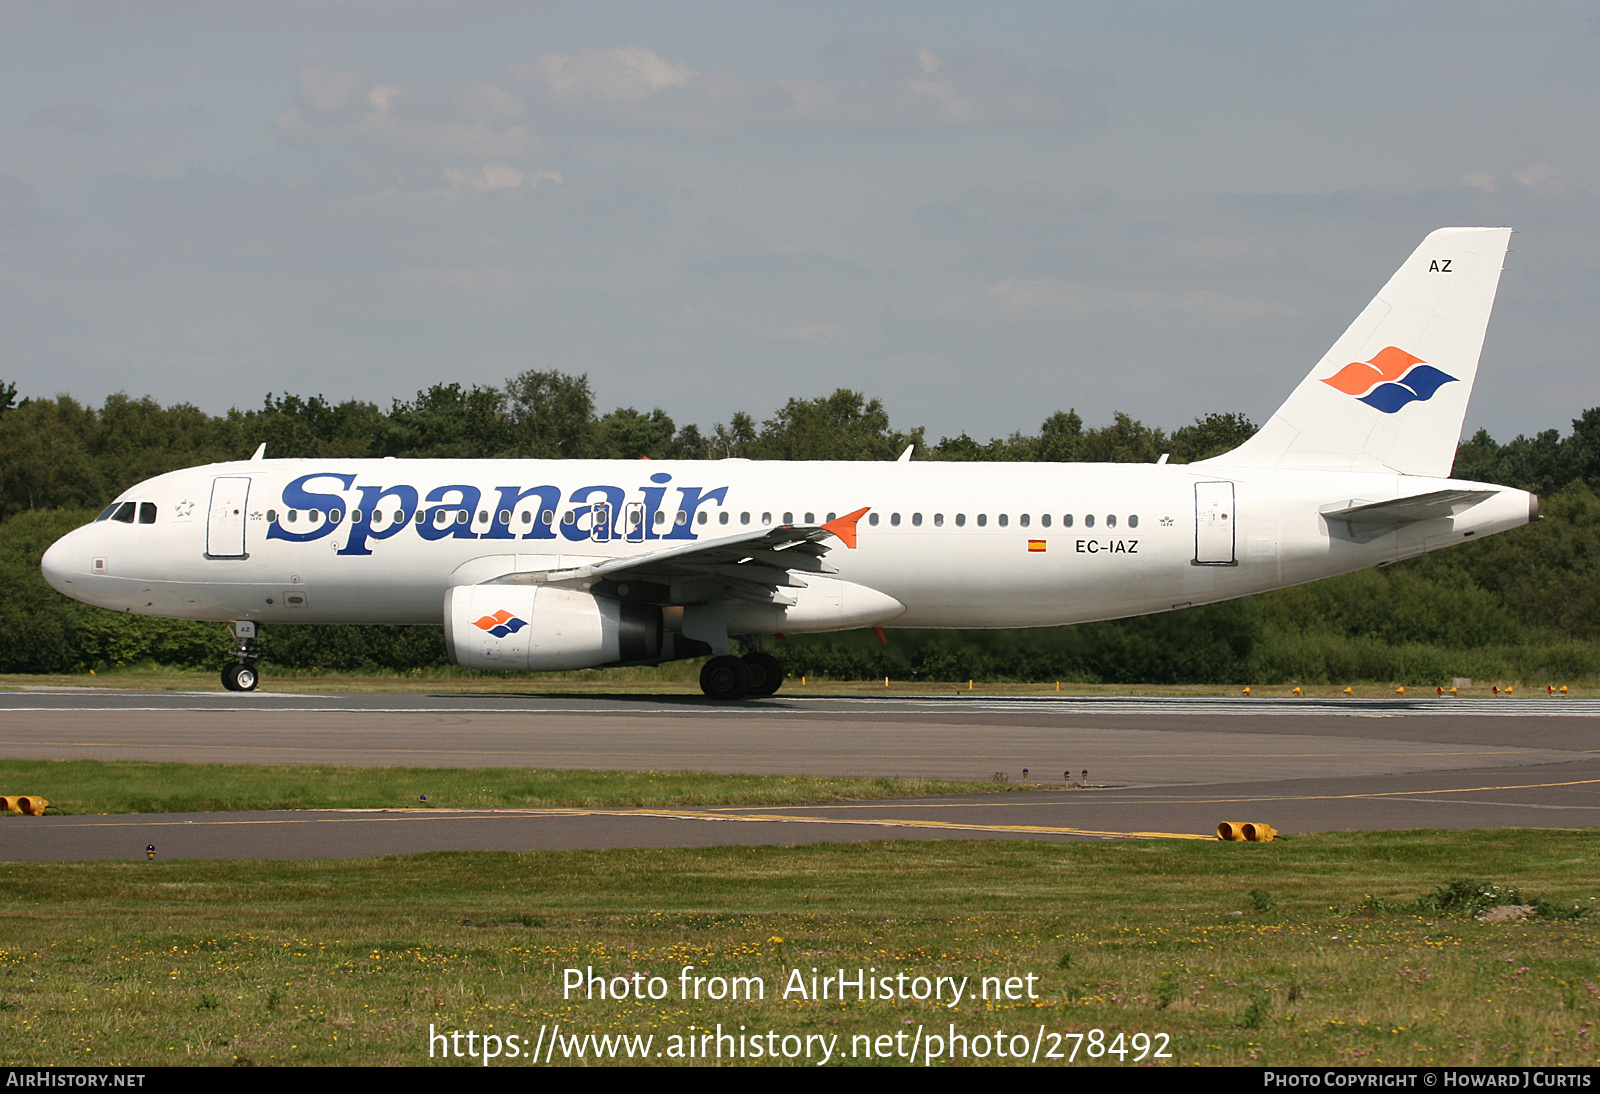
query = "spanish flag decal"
{"x": 1036, "y": 545}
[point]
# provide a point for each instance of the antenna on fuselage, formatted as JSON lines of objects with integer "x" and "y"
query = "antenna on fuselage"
{"x": 260, "y": 453}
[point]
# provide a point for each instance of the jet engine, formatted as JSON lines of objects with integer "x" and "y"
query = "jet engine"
{"x": 538, "y": 628}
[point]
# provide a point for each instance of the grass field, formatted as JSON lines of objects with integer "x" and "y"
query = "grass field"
{"x": 1310, "y": 951}
{"x": 136, "y": 786}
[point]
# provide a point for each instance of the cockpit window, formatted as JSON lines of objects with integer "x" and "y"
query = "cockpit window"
{"x": 147, "y": 512}
{"x": 112, "y": 508}
{"x": 124, "y": 512}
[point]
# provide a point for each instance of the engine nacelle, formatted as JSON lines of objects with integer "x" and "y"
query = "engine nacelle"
{"x": 537, "y": 628}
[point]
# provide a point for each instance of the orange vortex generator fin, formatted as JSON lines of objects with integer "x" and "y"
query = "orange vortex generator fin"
{"x": 845, "y": 527}
{"x": 1358, "y": 377}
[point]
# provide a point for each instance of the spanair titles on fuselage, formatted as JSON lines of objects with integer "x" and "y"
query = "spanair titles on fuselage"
{"x": 560, "y": 564}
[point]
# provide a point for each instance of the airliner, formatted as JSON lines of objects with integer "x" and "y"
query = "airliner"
{"x": 539, "y": 565}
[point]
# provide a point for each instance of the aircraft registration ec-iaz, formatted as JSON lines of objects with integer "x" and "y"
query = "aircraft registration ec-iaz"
{"x": 534, "y": 565}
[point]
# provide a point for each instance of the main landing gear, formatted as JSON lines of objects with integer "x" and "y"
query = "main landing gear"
{"x": 242, "y": 675}
{"x": 755, "y": 675}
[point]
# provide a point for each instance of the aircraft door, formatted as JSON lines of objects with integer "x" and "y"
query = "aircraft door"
{"x": 1214, "y": 521}
{"x": 600, "y": 527}
{"x": 633, "y": 521}
{"x": 225, "y": 519}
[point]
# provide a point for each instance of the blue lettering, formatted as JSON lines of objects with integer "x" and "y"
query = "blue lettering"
{"x": 612, "y": 497}
{"x": 296, "y": 496}
{"x": 549, "y": 501}
{"x": 652, "y": 503}
{"x": 361, "y": 530}
{"x": 693, "y": 499}
{"x": 467, "y": 500}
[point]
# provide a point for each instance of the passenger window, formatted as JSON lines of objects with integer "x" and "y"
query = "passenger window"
{"x": 872, "y": 519}
{"x": 422, "y": 517}
{"x": 399, "y": 516}
{"x": 811, "y": 518}
{"x": 314, "y": 515}
{"x": 335, "y": 516}
{"x": 1004, "y": 520}
{"x": 462, "y": 516}
{"x": 681, "y": 519}
{"x": 659, "y": 519}
{"x": 830, "y": 517}
{"x": 1133, "y": 521}
{"x": 1023, "y": 520}
{"x": 272, "y": 516}
{"x": 483, "y": 516}
{"x": 704, "y": 517}
{"x": 549, "y": 516}
{"x": 1111, "y": 520}
{"x": 147, "y": 512}
{"x": 505, "y": 516}
{"x": 788, "y": 518}
{"x": 294, "y": 515}
{"x": 916, "y": 520}
{"x": 124, "y": 513}
{"x": 766, "y": 518}
{"x": 527, "y": 517}
{"x": 722, "y": 518}
{"x": 1066, "y": 521}
{"x": 983, "y": 519}
{"x": 570, "y": 517}
{"x": 961, "y": 520}
{"x": 744, "y": 518}
{"x": 1044, "y": 520}
{"x": 1088, "y": 520}
{"x": 355, "y": 516}
{"x": 895, "y": 520}
{"x": 938, "y": 520}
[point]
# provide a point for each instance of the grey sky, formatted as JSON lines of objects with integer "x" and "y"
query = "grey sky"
{"x": 979, "y": 213}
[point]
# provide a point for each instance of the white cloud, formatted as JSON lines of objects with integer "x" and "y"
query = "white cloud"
{"x": 621, "y": 74}
{"x": 481, "y": 121}
{"x": 635, "y": 86}
{"x": 1547, "y": 182}
{"x": 490, "y": 177}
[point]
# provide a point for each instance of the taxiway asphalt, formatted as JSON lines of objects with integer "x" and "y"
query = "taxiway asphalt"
{"x": 1157, "y": 766}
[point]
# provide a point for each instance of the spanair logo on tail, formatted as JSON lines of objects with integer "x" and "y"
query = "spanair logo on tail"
{"x": 500, "y": 624}
{"x": 1390, "y": 380}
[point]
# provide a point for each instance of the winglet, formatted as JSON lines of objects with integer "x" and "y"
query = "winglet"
{"x": 845, "y": 527}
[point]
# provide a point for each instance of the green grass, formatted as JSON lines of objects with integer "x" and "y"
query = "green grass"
{"x": 137, "y": 786}
{"x": 1323, "y": 950}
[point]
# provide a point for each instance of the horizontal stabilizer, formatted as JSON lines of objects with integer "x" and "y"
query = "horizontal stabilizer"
{"x": 1439, "y": 503}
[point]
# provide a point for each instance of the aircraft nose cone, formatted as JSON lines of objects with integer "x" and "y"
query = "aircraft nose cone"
{"x": 57, "y": 566}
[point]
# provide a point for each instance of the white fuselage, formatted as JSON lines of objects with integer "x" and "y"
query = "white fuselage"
{"x": 945, "y": 544}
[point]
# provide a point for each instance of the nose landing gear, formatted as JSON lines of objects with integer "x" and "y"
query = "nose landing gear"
{"x": 242, "y": 675}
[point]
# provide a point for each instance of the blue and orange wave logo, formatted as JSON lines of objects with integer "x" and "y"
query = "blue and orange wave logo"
{"x": 1390, "y": 380}
{"x": 500, "y": 624}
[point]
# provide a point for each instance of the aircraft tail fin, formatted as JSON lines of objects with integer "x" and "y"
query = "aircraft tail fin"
{"x": 1391, "y": 394}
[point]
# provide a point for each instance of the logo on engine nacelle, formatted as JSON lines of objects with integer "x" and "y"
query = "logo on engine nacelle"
{"x": 500, "y": 624}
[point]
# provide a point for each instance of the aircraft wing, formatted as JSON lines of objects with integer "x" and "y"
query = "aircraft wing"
{"x": 1439, "y": 503}
{"x": 751, "y": 565}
